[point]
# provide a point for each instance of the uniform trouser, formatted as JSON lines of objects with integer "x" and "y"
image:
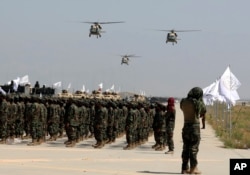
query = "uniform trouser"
{"x": 100, "y": 133}
{"x": 53, "y": 128}
{"x": 191, "y": 141}
{"x": 36, "y": 130}
{"x": 19, "y": 128}
{"x": 10, "y": 128}
{"x": 161, "y": 137}
{"x": 3, "y": 130}
{"x": 71, "y": 132}
{"x": 110, "y": 132}
{"x": 86, "y": 129}
{"x": 130, "y": 136}
{"x": 169, "y": 136}
{"x": 61, "y": 127}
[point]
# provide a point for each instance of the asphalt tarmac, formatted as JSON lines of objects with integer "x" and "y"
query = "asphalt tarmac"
{"x": 53, "y": 158}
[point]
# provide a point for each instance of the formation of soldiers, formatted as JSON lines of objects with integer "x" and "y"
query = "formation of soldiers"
{"x": 105, "y": 120}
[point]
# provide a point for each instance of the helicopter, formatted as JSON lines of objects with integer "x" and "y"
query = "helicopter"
{"x": 96, "y": 28}
{"x": 125, "y": 58}
{"x": 172, "y": 35}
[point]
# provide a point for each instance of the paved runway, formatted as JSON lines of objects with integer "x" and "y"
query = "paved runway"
{"x": 53, "y": 158}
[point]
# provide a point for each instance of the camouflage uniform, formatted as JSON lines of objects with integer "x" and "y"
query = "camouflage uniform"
{"x": 131, "y": 126}
{"x": 170, "y": 124}
{"x": 91, "y": 118}
{"x": 19, "y": 124}
{"x": 72, "y": 124}
{"x": 61, "y": 116}
{"x": 27, "y": 117}
{"x": 83, "y": 117}
{"x": 159, "y": 126}
{"x": 11, "y": 118}
{"x": 110, "y": 123}
{"x": 3, "y": 119}
{"x": 191, "y": 107}
{"x": 53, "y": 119}
{"x": 143, "y": 134}
{"x": 36, "y": 123}
{"x": 100, "y": 124}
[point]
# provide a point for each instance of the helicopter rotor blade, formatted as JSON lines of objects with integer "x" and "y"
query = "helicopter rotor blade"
{"x": 89, "y": 22}
{"x": 186, "y": 30}
{"x": 131, "y": 55}
{"x": 111, "y": 22}
{"x": 179, "y": 30}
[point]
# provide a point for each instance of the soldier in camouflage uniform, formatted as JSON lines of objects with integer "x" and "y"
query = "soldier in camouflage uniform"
{"x": 131, "y": 126}
{"x": 191, "y": 106}
{"x": 86, "y": 120}
{"x": 159, "y": 126}
{"x": 83, "y": 117}
{"x": 143, "y": 134}
{"x": 19, "y": 124}
{"x": 36, "y": 123}
{"x": 43, "y": 121}
{"x": 61, "y": 116}
{"x": 53, "y": 119}
{"x": 170, "y": 124}
{"x": 110, "y": 123}
{"x": 11, "y": 118}
{"x": 3, "y": 118}
{"x": 91, "y": 118}
{"x": 100, "y": 124}
{"x": 27, "y": 117}
{"x": 71, "y": 123}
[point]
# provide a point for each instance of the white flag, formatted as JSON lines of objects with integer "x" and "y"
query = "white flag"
{"x": 112, "y": 87}
{"x": 100, "y": 86}
{"x": 69, "y": 86}
{"x": 24, "y": 80}
{"x": 2, "y": 91}
{"x": 83, "y": 88}
{"x": 57, "y": 84}
{"x": 228, "y": 85}
{"x": 16, "y": 83}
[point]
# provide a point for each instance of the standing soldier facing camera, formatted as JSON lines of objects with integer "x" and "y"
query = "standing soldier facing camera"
{"x": 170, "y": 123}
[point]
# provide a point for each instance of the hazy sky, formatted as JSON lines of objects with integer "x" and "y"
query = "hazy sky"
{"x": 45, "y": 40}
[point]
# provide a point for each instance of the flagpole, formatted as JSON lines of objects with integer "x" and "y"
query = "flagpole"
{"x": 230, "y": 117}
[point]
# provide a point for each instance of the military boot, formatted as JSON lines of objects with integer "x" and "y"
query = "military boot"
{"x": 194, "y": 171}
{"x": 185, "y": 172}
{"x": 3, "y": 141}
{"x": 60, "y": 135}
{"x": 27, "y": 136}
{"x": 155, "y": 145}
{"x": 109, "y": 141}
{"x": 100, "y": 145}
{"x": 66, "y": 142}
{"x": 71, "y": 143}
{"x": 97, "y": 143}
{"x": 161, "y": 148}
{"x": 33, "y": 143}
{"x": 40, "y": 140}
{"x": 128, "y": 147}
{"x": 91, "y": 135}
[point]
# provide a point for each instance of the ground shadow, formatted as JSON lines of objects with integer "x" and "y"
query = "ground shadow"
{"x": 155, "y": 172}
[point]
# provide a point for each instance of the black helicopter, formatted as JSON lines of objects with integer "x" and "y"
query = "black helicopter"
{"x": 172, "y": 35}
{"x": 125, "y": 58}
{"x": 96, "y": 28}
